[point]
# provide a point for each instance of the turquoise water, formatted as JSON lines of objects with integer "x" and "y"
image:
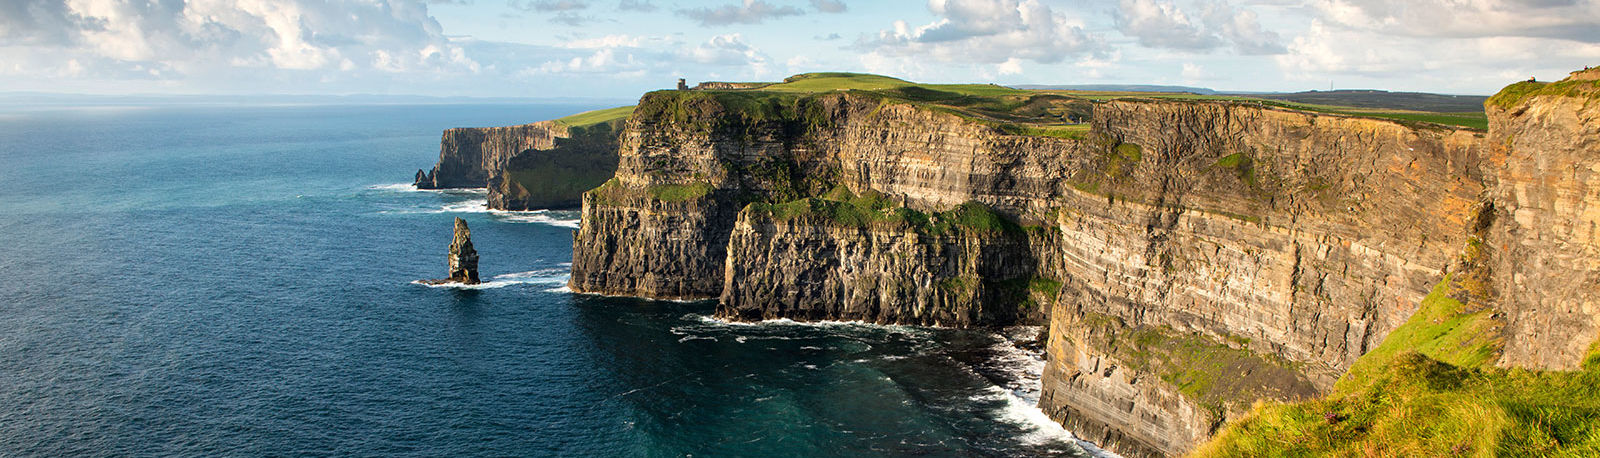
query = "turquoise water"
{"x": 237, "y": 281}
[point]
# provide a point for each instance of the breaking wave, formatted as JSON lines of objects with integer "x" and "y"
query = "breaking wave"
{"x": 549, "y": 276}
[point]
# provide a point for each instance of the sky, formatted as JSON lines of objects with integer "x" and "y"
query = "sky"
{"x": 620, "y": 48}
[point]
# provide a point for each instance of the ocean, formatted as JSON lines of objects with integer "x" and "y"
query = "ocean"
{"x": 238, "y": 281}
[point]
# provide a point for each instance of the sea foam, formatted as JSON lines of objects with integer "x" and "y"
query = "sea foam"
{"x": 549, "y": 276}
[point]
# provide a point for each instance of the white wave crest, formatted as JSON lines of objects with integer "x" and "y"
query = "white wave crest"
{"x": 558, "y": 218}
{"x": 467, "y": 206}
{"x": 412, "y": 187}
{"x": 548, "y": 276}
{"x": 395, "y": 187}
{"x": 1038, "y": 427}
{"x": 708, "y": 319}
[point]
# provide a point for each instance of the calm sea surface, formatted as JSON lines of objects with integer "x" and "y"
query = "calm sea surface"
{"x": 237, "y": 281}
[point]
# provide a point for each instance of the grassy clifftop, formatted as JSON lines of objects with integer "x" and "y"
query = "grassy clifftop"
{"x": 1057, "y": 113}
{"x": 1430, "y": 389}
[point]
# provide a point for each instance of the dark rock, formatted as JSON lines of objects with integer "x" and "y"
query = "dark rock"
{"x": 463, "y": 259}
{"x": 424, "y": 180}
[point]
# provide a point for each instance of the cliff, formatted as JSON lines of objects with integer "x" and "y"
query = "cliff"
{"x": 1542, "y": 244}
{"x": 469, "y": 156}
{"x": 544, "y": 165}
{"x": 1189, "y": 257}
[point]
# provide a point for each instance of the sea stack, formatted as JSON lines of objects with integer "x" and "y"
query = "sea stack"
{"x": 463, "y": 259}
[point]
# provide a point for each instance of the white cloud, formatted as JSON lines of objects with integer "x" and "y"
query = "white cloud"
{"x": 987, "y": 31}
{"x": 729, "y": 51}
{"x": 643, "y": 6}
{"x": 1576, "y": 20}
{"x": 1334, "y": 51}
{"x": 1170, "y": 25}
{"x": 829, "y": 6}
{"x": 608, "y": 41}
{"x": 208, "y": 37}
{"x": 1011, "y": 66}
{"x": 749, "y": 12}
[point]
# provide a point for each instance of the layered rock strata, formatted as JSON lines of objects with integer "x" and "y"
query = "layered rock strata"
{"x": 469, "y": 156}
{"x": 1542, "y": 242}
{"x": 543, "y": 165}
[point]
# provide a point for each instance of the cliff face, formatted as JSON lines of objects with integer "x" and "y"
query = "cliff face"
{"x": 1542, "y": 242}
{"x": 542, "y": 165}
{"x": 1299, "y": 237}
{"x": 814, "y": 267}
{"x": 469, "y": 156}
{"x": 558, "y": 176}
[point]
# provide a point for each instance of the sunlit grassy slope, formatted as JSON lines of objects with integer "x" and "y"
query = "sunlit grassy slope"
{"x": 1430, "y": 390}
{"x": 590, "y": 118}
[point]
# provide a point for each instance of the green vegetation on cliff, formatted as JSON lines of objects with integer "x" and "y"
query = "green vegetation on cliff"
{"x": 557, "y": 177}
{"x": 1013, "y": 111}
{"x": 1511, "y": 95}
{"x": 591, "y": 118}
{"x": 844, "y": 208}
{"x": 1430, "y": 390}
{"x": 1215, "y": 375}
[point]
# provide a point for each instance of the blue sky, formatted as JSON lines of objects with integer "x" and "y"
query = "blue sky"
{"x": 619, "y": 48}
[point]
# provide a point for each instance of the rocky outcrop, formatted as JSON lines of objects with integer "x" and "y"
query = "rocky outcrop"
{"x": 544, "y": 165}
{"x": 558, "y": 176}
{"x": 463, "y": 258}
{"x": 632, "y": 243}
{"x": 1542, "y": 242}
{"x": 470, "y": 156}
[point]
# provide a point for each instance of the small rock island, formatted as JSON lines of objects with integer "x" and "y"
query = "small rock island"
{"x": 463, "y": 259}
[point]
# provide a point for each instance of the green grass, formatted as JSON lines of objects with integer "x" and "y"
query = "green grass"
{"x": 1072, "y": 131}
{"x": 1209, "y": 372}
{"x": 873, "y": 209}
{"x": 590, "y": 118}
{"x": 1026, "y": 112}
{"x": 1429, "y": 390}
{"x": 1514, "y": 94}
{"x": 1473, "y": 120}
{"x": 827, "y": 82}
{"x": 1243, "y": 167}
{"x": 1013, "y": 111}
{"x": 1045, "y": 286}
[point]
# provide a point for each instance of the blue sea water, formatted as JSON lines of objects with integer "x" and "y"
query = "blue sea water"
{"x": 200, "y": 281}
